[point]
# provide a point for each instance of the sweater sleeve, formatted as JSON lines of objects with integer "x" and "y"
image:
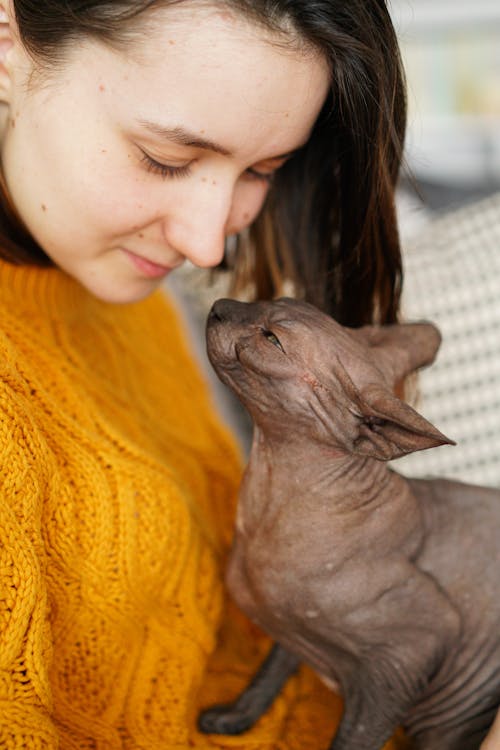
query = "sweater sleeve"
{"x": 25, "y": 701}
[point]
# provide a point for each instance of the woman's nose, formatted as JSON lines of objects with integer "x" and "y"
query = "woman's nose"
{"x": 198, "y": 232}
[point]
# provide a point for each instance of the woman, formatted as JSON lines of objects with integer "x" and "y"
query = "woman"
{"x": 136, "y": 135}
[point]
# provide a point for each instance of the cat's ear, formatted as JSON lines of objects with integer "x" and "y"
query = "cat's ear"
{"x": 390, "y": 428}
{"x": 400, "y": 349}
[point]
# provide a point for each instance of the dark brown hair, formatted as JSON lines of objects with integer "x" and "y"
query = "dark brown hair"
{"x": 329, "y": 224}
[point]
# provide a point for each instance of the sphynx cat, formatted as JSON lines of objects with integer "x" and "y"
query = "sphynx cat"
{"x": 388, "y": 587}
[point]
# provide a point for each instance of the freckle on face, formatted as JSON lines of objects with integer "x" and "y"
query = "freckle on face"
{"x": 43, "y": 207}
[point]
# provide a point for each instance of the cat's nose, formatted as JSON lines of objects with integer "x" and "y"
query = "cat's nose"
{"x": 229, "y": 310}
{"x": 216, "y": 314}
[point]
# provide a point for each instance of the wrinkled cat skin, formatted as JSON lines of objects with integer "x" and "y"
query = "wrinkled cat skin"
{"x": 388, "y": 587}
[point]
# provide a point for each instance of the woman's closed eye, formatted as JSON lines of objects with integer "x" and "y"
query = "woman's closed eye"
{"x": 165, "y": 170}
{"x": 256, "y": 175}
{"x": 184, "y": 170}
{"x": 267, "y": 170}
{"x": 264, "y": 171}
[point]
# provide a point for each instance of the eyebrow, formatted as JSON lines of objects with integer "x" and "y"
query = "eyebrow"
{"x": 184, "y": 137}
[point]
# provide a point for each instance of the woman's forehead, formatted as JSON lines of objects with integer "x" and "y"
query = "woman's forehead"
{"x": 221, "y": 79}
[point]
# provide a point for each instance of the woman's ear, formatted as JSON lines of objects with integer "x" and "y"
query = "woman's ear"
{"x": 7, "y": 32}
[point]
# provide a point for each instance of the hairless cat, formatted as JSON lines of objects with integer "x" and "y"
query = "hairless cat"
{"x": 388, "y": 587}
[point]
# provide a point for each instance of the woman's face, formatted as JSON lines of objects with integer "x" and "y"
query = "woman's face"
{"x": 123, "y": 166}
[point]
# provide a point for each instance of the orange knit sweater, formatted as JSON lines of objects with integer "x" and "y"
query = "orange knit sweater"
{"x": 117, "y": 493}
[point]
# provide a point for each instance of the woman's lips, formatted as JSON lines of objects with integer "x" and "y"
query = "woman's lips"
{"x": 147, "y": 267}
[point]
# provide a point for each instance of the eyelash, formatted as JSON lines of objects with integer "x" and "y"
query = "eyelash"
{"x": 260, "y": 176}
{"x": 168, "y": 171}
{"x": 164, "y": 170}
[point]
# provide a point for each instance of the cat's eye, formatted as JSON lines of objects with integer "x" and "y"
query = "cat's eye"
{"x": 270, "y": 336}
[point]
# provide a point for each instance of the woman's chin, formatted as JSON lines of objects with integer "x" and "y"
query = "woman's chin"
{"x": 120, "y": 292}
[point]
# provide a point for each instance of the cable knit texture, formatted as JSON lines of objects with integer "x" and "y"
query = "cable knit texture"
{"x": 117, "y": 494}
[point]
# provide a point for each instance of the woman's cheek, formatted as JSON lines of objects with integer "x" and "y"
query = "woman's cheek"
{"x": 249, "y": 196}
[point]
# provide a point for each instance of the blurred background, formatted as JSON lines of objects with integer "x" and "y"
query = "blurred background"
{"x": 451, "y": 52}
